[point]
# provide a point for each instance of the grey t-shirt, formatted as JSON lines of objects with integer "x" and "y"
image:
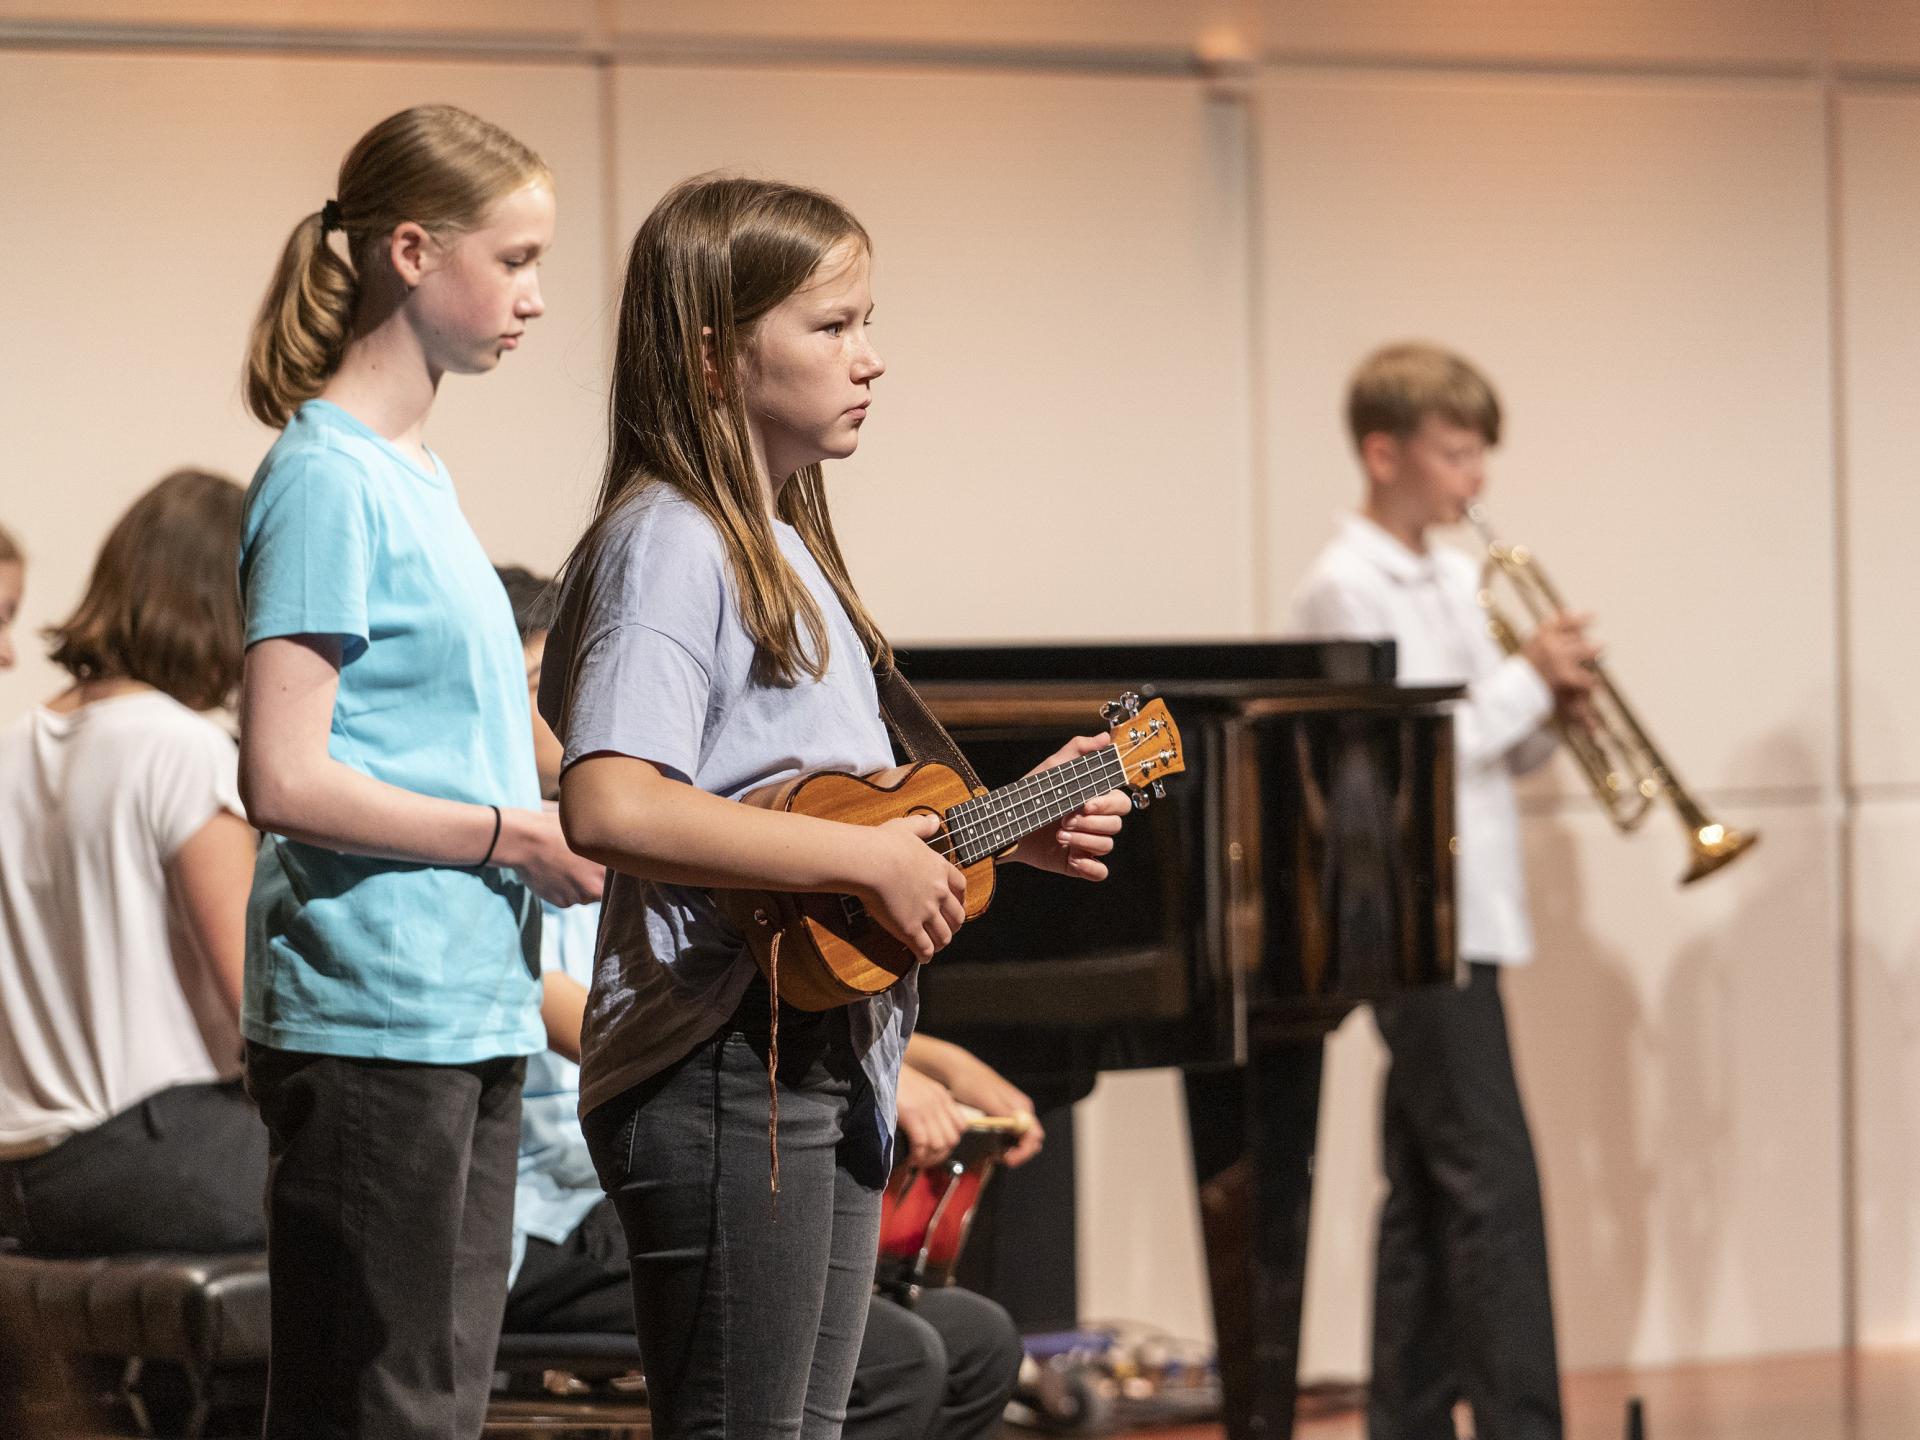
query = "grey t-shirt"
{"x": 649, "y": 658}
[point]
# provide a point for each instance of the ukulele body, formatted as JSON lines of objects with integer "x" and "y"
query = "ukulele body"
{"x": 831, "y": 950}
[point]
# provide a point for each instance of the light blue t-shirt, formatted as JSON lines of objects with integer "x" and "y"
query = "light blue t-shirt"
{"x": 557, "y": 1185}
{"x": 649, "y": 658}
{"x": 389, "y": 959}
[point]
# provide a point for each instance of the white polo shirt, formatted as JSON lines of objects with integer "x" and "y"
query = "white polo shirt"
{"x": 1366, "y": 585}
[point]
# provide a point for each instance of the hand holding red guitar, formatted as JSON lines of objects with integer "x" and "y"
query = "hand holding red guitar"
{"x": 930, "y": 1118}
{"x": 970, "y": 1084}
{"x": 914, "y": 892}
{"x": 1073, "y": 846}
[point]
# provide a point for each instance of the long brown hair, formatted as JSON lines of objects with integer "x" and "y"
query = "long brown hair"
{"x": 435, "y": 165}
{"x": 10, "y": 553}
{"x": 717, "y": 253}
{"x": 163, "y": 603}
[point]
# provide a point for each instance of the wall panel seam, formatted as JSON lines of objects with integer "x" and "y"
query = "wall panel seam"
{"x": 1625, "y": 68}
{"x": 546, "y": 47}
{"x": 1259, "y": 462}
{"x": 515, "y": 47}
{"x": 1844, "y": 868}
{"x": 605, "y": 44}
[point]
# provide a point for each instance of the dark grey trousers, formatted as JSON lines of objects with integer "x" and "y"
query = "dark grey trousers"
{"x": 749, "y": 1309}
{"x": 942, "y": 1370}
{"x": 389, "y": 1233}
{"x": 182, "y": 1170}
{"x": 1462, "y": 1308}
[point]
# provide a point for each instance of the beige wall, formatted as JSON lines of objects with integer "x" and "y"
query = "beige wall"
{"x": 1118, "y": 294}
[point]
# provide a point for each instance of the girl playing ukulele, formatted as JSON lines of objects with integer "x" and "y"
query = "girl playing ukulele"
{"x": 710, "y": 642}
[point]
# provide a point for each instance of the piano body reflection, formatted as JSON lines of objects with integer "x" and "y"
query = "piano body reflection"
{"x": 1302, "y": 865}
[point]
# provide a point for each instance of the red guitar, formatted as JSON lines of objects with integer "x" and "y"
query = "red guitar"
{"x": 926, "y": 1211}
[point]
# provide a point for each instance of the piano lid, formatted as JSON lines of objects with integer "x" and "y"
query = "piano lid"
{"x": 1194, "y": 666}
{"x": 1301, "y": 865}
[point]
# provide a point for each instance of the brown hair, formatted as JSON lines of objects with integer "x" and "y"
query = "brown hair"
{"x": 717, "y": 253}
{"x": 10, "y": 552}
{"x": 163, "y": 603}
{"x": 533, "y": 598}
{"x": 434, "y": 165}
{"x": 1399, "y": 386}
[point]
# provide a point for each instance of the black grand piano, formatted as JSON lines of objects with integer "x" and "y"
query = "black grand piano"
{"x": 1302, "y": 865}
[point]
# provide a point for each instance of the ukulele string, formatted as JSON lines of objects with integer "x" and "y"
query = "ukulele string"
{"x": 984, "y": 822}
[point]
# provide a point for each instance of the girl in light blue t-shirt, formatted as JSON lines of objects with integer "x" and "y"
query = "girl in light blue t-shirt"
{"x": 709, "y": 641}
{"x": 392, "y": 958}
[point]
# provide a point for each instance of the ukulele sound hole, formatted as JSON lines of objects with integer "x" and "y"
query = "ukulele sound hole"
{"x": 854, "y": 911}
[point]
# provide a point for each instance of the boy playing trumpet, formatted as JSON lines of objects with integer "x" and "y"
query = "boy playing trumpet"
{"x": 1462, "y": 1308}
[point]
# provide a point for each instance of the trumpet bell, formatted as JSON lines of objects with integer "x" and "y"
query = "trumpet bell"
{"x": 1716, "y": 845}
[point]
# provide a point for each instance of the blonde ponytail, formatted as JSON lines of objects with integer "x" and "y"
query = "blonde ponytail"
{"x": 436, "y": 166}
{"x": 301, "y": 331}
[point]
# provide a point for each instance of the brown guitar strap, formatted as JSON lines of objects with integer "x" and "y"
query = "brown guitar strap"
{"x": 913, "y": 725}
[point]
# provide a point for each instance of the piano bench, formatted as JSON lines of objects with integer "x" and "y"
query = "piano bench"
{"x": 207, "y": 1314}
{"x": 590, "y": 1399}
{"x": 588, "y": 1356}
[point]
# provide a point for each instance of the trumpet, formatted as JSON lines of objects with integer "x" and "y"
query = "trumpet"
{"x": 1624, "y": 768}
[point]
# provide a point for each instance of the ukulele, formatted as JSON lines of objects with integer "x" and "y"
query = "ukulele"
{"x": 819, "y": 951}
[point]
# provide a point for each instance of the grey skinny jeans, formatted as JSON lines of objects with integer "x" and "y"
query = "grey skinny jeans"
{"x": 749, "y": 1307}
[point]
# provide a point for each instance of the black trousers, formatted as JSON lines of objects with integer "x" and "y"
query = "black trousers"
{"x": 943, "y": 1370}
{"x": 182, "y": 1170}
{"x": 578, "y": 1287}
{"x": 389, "y": 1233}
{"x": 1462, "y": 1307}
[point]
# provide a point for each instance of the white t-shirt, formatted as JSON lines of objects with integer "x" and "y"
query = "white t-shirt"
{"x": 104, "y": 996}
{"x": 1367, "y": 585}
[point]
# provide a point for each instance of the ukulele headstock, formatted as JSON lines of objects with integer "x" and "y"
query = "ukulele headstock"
{"x": 1148, "y": 744}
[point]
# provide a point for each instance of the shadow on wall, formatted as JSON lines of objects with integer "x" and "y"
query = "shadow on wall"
{"x": 1887, "y": 1136}
{"x": 1696, "y": 1058}
{"x": 1675, "y": 1176}
{"x": 1886, "y": 1029}
{"x": 1748, "y": 1041}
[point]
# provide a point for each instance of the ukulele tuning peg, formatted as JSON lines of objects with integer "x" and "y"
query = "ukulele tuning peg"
{"x": 1159, "y": 790}
{"x": 1116, "y": 712}
{"x": 1141, "y": 799}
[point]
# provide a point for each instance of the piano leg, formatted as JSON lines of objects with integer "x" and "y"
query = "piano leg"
{"x": 1253, "y": 1135}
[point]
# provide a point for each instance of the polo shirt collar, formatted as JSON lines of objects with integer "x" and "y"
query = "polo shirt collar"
{"x": 1385, "y": 552}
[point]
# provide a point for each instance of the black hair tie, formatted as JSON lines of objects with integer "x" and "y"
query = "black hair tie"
{"x": 330, "y": 216}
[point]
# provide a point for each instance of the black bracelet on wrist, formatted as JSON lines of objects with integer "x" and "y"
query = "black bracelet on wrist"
{"x": 487, "y": 859}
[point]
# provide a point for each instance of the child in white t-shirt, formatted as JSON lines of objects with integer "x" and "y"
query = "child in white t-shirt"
{"x": 125, "y": 860}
